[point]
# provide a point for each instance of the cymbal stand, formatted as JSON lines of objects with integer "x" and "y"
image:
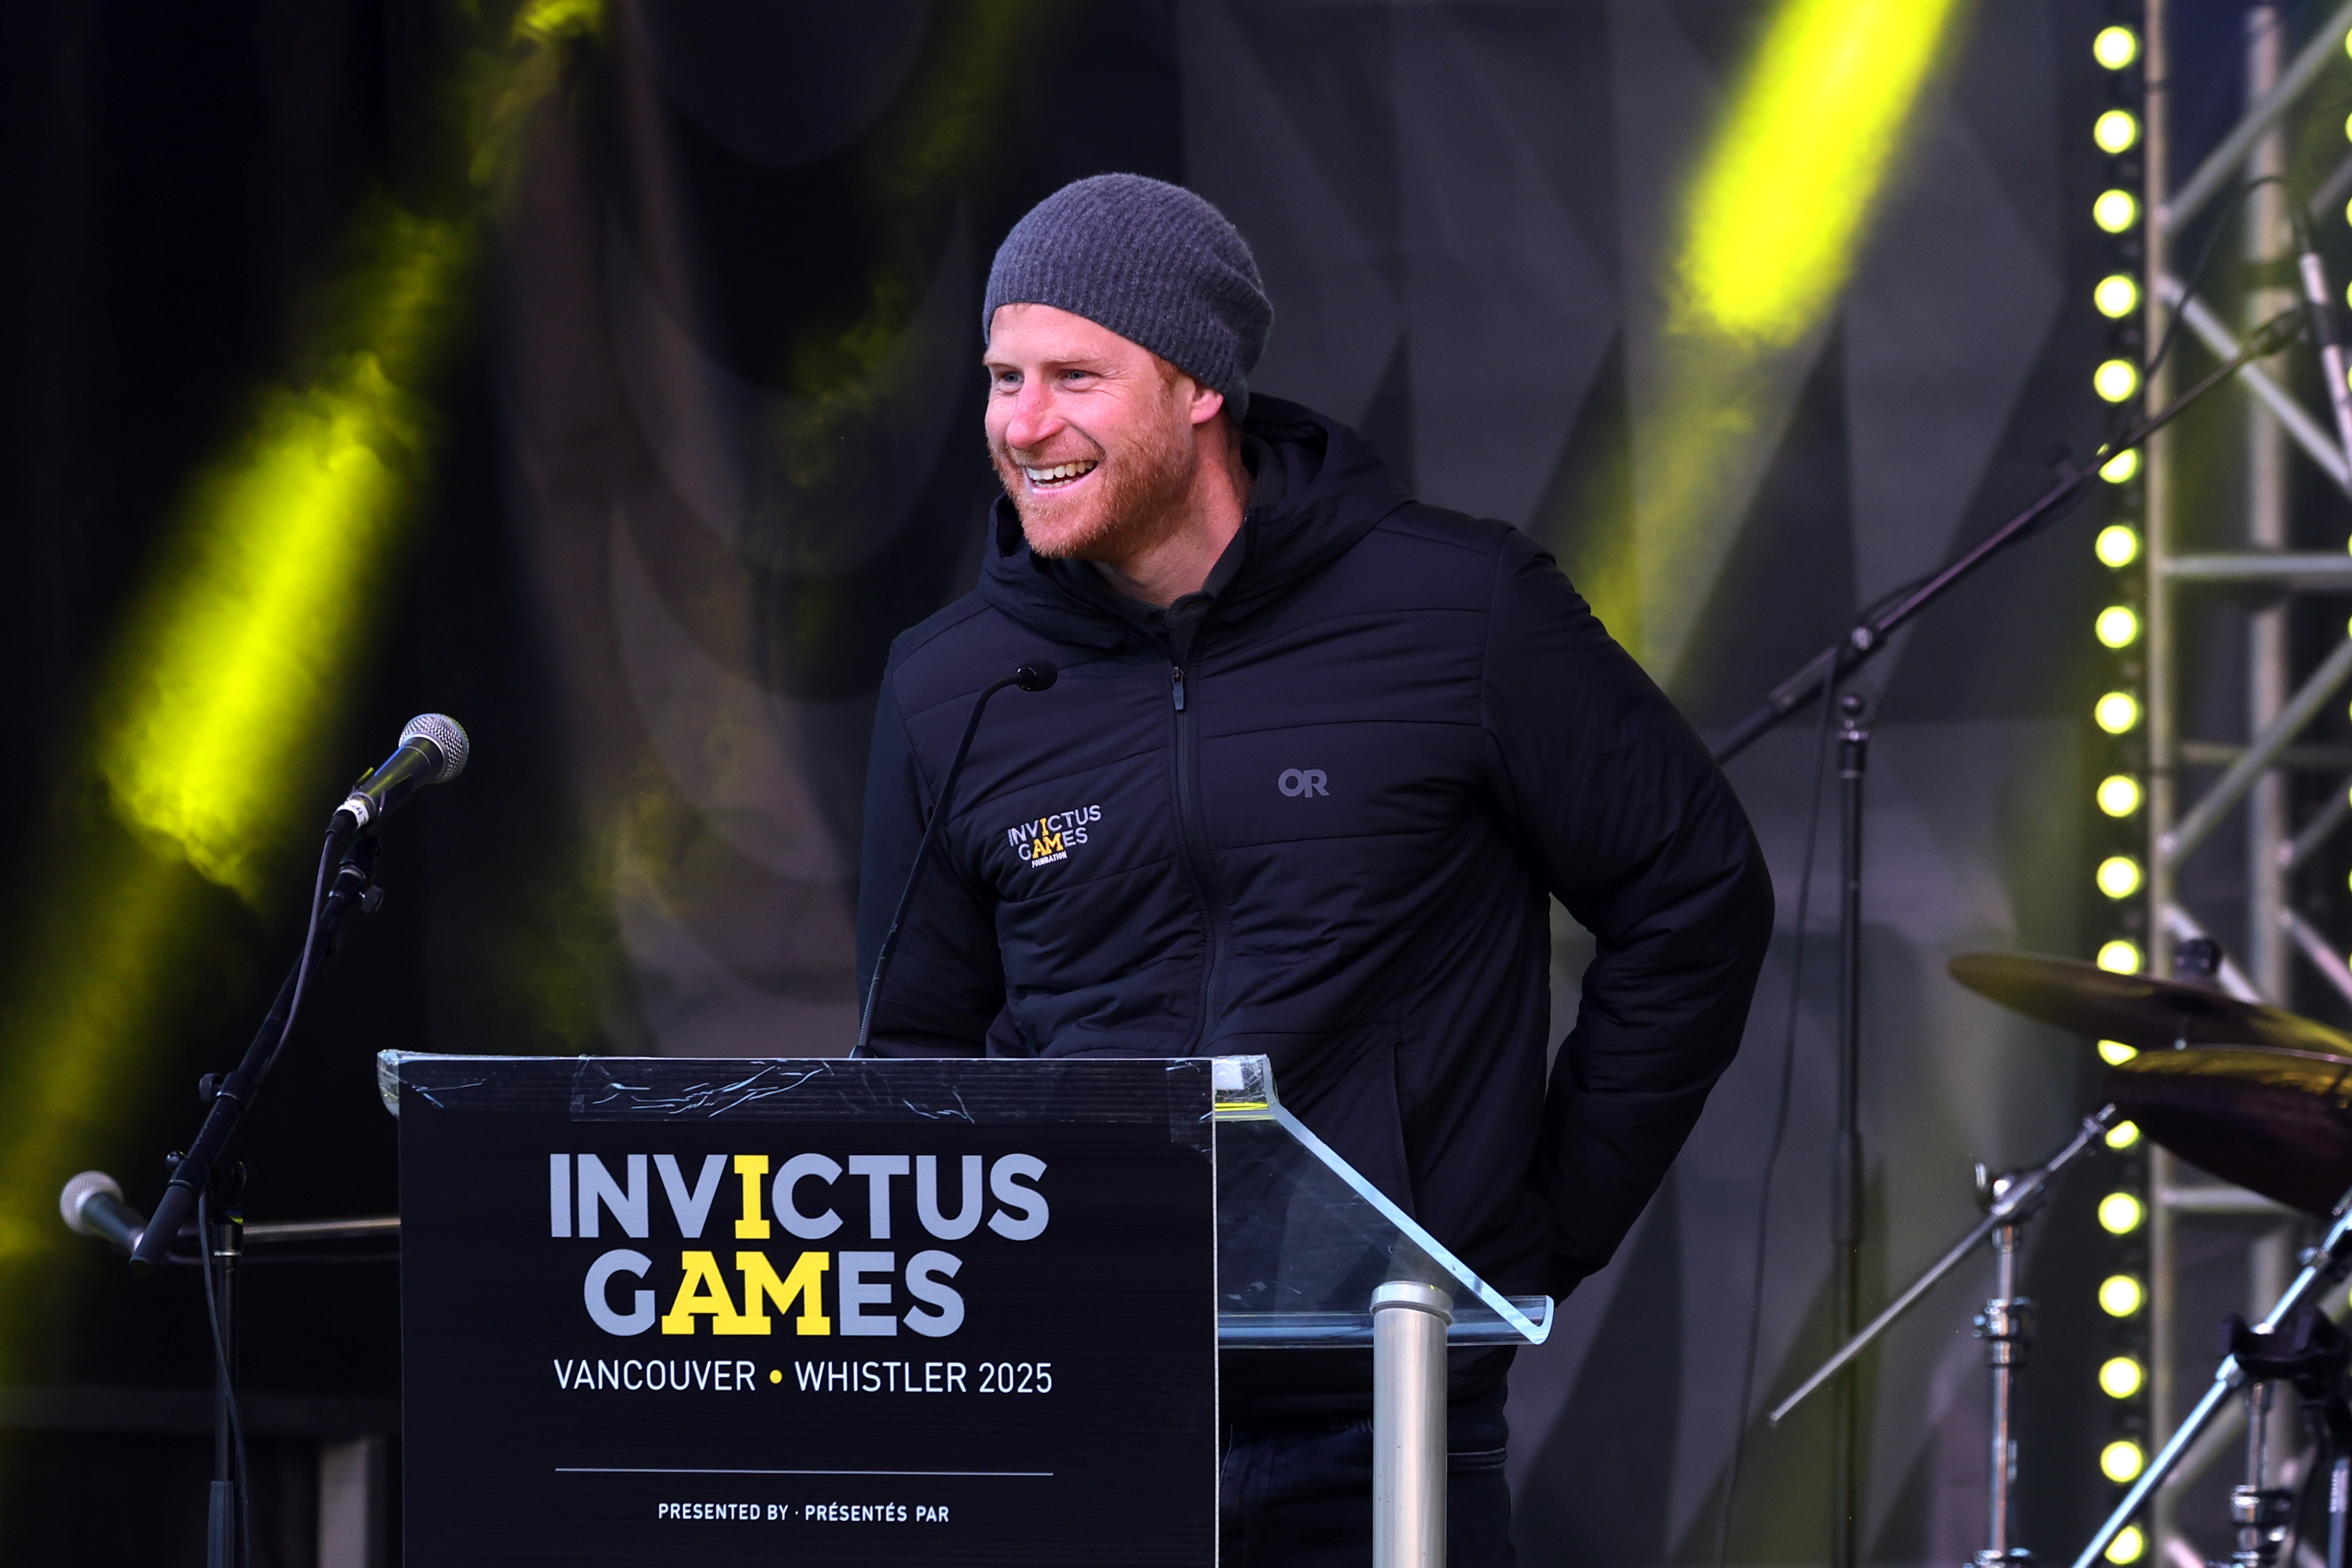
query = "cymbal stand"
{"x": 2310, "y": 1352}
{"x": 2006, "y": 1325}
{"x": 2259, "y": 1514}
{"x": 2323, "y": 1266}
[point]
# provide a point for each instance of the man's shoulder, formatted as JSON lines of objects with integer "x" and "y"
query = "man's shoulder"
{"x": 1423, "y": 550}
{"x": 953, "y": 652}
{"x": 1420, "y": 525}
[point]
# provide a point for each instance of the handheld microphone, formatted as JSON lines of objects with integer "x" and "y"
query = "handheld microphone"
{"x": 1037, "y": 675}
{"x": 432, "y": 751}
{"x": 92, "y": 1206}
{"x": 2323, "y": 333}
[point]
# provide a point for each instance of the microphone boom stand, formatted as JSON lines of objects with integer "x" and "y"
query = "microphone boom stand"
{"x": 230, "y": 1095}
{"x": 1868, "y": 635}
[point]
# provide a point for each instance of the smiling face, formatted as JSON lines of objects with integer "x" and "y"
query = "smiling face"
{"x": 1097, "y": 440}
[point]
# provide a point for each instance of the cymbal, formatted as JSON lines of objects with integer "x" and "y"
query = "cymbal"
{"x": 2276, "y": 1122}
{"x": 2138, "y": 1009}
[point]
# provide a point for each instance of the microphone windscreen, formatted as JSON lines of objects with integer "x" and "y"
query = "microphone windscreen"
{"x": 1037, "y": 675}
{"x": 77, "y": 1194}
{"x": 448, "y": 737}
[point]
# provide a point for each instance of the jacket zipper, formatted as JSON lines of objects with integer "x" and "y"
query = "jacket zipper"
{"x": 1194, "y": 835}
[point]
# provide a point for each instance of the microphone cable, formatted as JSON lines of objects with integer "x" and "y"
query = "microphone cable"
{"x": 1780, "y": 1127}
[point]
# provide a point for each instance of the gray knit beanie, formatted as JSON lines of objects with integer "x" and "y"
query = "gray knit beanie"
{"x": 1152, "y": 261}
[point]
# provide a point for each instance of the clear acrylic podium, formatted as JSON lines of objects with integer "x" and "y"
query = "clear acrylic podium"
{"x": 1312, "y": 1255}
{"x": 1309, "y": 1255}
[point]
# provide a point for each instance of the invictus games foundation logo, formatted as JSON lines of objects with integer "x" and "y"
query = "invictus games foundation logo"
{"x": 1047, "y": 839}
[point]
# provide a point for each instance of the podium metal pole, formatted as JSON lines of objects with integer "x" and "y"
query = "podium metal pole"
{"x": 1409, "y": 1324}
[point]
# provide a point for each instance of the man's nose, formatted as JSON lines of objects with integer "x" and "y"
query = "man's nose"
{"x": 1034, "y": 419}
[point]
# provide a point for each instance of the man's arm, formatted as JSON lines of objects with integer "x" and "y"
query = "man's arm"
{"x": 946, "y": 983}
{"x": 1641, "y": 838}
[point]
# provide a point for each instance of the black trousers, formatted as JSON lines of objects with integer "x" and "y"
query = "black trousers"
{"x": 1299, "y": 1494}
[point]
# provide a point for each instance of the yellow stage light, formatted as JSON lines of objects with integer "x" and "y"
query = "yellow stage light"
{"x": 2120, "y": 1295}
{"x": 2123, "y": 1135}
{"x": 2120, "y": 956}
{"x": 1777, "y": 207}
{"x": 2116, "y": 626}
{"x": 2121, "y": 468}
{"x": 2115, "y": 210}
{"x": 2120, "y": 1213}
{"x": 2129, "y": 1546}
{"x": 2116, "y": 296}
{"x": 2121, "y": 1460}
{"x": 2116, "y": 379}
{"x": 2115, "y": 48}
{"x": 2118, "y": 876}
{"x": 2119, "y": 794}
{"x": 2116, "y": 712}
{"x": 2120, "y": 1377}
{"x": 2118, "y": 545}
{"x": 2115, "y": 130}
{"x": 2114, "y": 1053}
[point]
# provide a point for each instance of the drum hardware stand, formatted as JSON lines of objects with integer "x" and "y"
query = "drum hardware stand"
{"x": 2006, "y": 1325}
{"x": 2322, "y": 1267}
{"x": 2309, "y": 1352}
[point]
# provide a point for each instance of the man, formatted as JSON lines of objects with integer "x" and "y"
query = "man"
{"x": 1325, "y": 753}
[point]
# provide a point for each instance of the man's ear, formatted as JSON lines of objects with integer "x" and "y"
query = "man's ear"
{"x": 1207, "y": 402}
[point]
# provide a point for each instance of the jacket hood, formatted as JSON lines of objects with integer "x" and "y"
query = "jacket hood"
{"x": 1334, "y": 491}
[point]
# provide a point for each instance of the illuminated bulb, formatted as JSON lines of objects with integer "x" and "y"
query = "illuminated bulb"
{"x": 2115, "y": 48}
{"x": 2116, "y": 626}
{"x": 2120, "y": 1377}
{"x": 2116, "y": 379}
{"x": 2122, "y": 467}
{"x": 2129, "y": 1545}
{"x": 2119, "y": 956}
{"x": 2121, "y": 1460}
{"x": 2117, "y": 295}
{"x": 2120, "y": 1295}
{"x": 2119, "y": 794}
{"x": 2116, "y": 712}
{"x": 2114, "y": 1053}
{"x": 2115, "y": 130}
{"x": 2118, "y": 876}
{"x": 2123, "y": 1135}
{"x": 2115, "y": 211}
{"x": 2119, "y": 1214}
{"x": 2118, "y": 545}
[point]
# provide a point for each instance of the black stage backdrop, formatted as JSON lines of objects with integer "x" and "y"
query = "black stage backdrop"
{"x": 685, "y": 423}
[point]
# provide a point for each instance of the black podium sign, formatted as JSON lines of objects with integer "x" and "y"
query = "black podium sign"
{"x": 687, "y": 1313}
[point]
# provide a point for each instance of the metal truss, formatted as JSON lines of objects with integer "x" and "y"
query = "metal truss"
{"x": 2282, "y": 701}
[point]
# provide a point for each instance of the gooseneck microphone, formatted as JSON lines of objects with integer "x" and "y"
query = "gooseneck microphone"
{"x": 92, "y": 1204}
{"x": 432, "y": 751}
{"x": 1034, "y": 675}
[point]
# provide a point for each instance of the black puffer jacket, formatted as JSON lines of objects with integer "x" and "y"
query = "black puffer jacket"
{"x": 1313, "y": 814}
